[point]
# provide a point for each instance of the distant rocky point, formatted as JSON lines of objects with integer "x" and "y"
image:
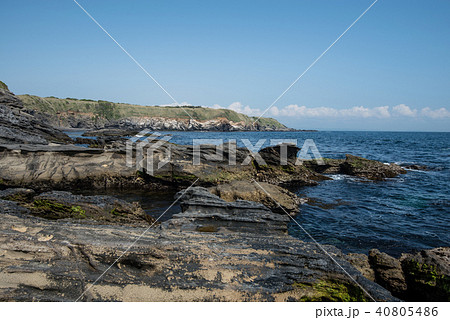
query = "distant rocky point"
{"x": 91, "y": 114}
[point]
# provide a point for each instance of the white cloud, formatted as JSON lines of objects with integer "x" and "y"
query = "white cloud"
{"x": 294, "y": 110}
{"x": 435, "y": 114}
{"x": 404, "y": 110}
{"x": 239, "y": 107}
{"x": 356, "y": 112}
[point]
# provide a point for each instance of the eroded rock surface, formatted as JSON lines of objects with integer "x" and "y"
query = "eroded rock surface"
{"x": 62, "y": 166}
{"x": 203, "y": 211}
{"x": 274, "y": 197}
{"x": 45, "y": 260}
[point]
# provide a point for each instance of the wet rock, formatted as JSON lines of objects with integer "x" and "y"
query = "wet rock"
{"x": 427, "y": 274}
{"x": 12, "y": 207}
{"x": 388, "y": 272}
{"x": 356, "y": 166}
{"x": 329, "y": 166}
{"x": 274, "y": 197}
{"x": 415, "y": 167}
{"x": 92, "y": 143}
{"x": 370, "y": 169}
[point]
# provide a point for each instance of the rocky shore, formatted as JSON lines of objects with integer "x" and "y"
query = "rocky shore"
{"x": 229, "y": 242}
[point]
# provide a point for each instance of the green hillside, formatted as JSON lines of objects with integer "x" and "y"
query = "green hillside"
{"x": 111, "y": 110}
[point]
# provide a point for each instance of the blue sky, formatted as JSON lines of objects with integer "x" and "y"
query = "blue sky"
{"x": 391, "y": 71}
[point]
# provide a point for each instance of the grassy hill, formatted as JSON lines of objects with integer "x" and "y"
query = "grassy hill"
{"x": 113, "y": 111}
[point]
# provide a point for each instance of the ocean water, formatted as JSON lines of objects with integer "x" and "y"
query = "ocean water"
{"x": 403, "y": 214}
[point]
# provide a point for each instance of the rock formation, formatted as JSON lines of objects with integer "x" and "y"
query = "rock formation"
{"x": 244, "y": 256}
{"x": 357, "y": 166}
{"x": 261, "y": 192}
{"x": 18, "y": 125}
{"x": 422, "y": 276}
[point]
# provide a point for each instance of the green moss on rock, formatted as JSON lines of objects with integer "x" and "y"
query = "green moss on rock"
{"x": 54, "y": 210}
{"x": 424, "y": 280}
{"x": 326, "y": 290}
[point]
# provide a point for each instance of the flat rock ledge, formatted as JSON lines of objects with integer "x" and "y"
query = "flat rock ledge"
{"x": 212, "y": 251}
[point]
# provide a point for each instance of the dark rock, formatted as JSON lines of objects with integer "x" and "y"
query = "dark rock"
{"x": 90, "y": 142}
{"x": 110, "y": 132}
{"x": 356, "y": 166}
{"x": 8, "y": 99}
{"x": 11, "y": 207}
{"x": 282, "y": 154}
{"x": 17, "y": 194}
{"x": 415, "y": 167}
{"x": 427, "y": 275}
{"x": 106, "y": 209}
{"x": 370, "y": 169}
{"x": 388, "y": 272}
{"x": 19, "y": 126}
{"x": 329, "y": 166}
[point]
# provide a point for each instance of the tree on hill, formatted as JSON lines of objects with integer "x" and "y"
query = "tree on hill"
{"x": 106, "y": 109}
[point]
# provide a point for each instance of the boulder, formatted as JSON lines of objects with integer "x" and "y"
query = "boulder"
{"x": 361, "y": 262}
{"x": 388, "y": 272}
{"x": 281, "y": 154}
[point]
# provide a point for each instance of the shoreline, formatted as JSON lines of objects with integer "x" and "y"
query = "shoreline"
{"x": 228, "y": 242}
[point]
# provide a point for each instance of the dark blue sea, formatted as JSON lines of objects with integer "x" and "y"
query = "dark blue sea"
{"x": 403, "y": 214}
